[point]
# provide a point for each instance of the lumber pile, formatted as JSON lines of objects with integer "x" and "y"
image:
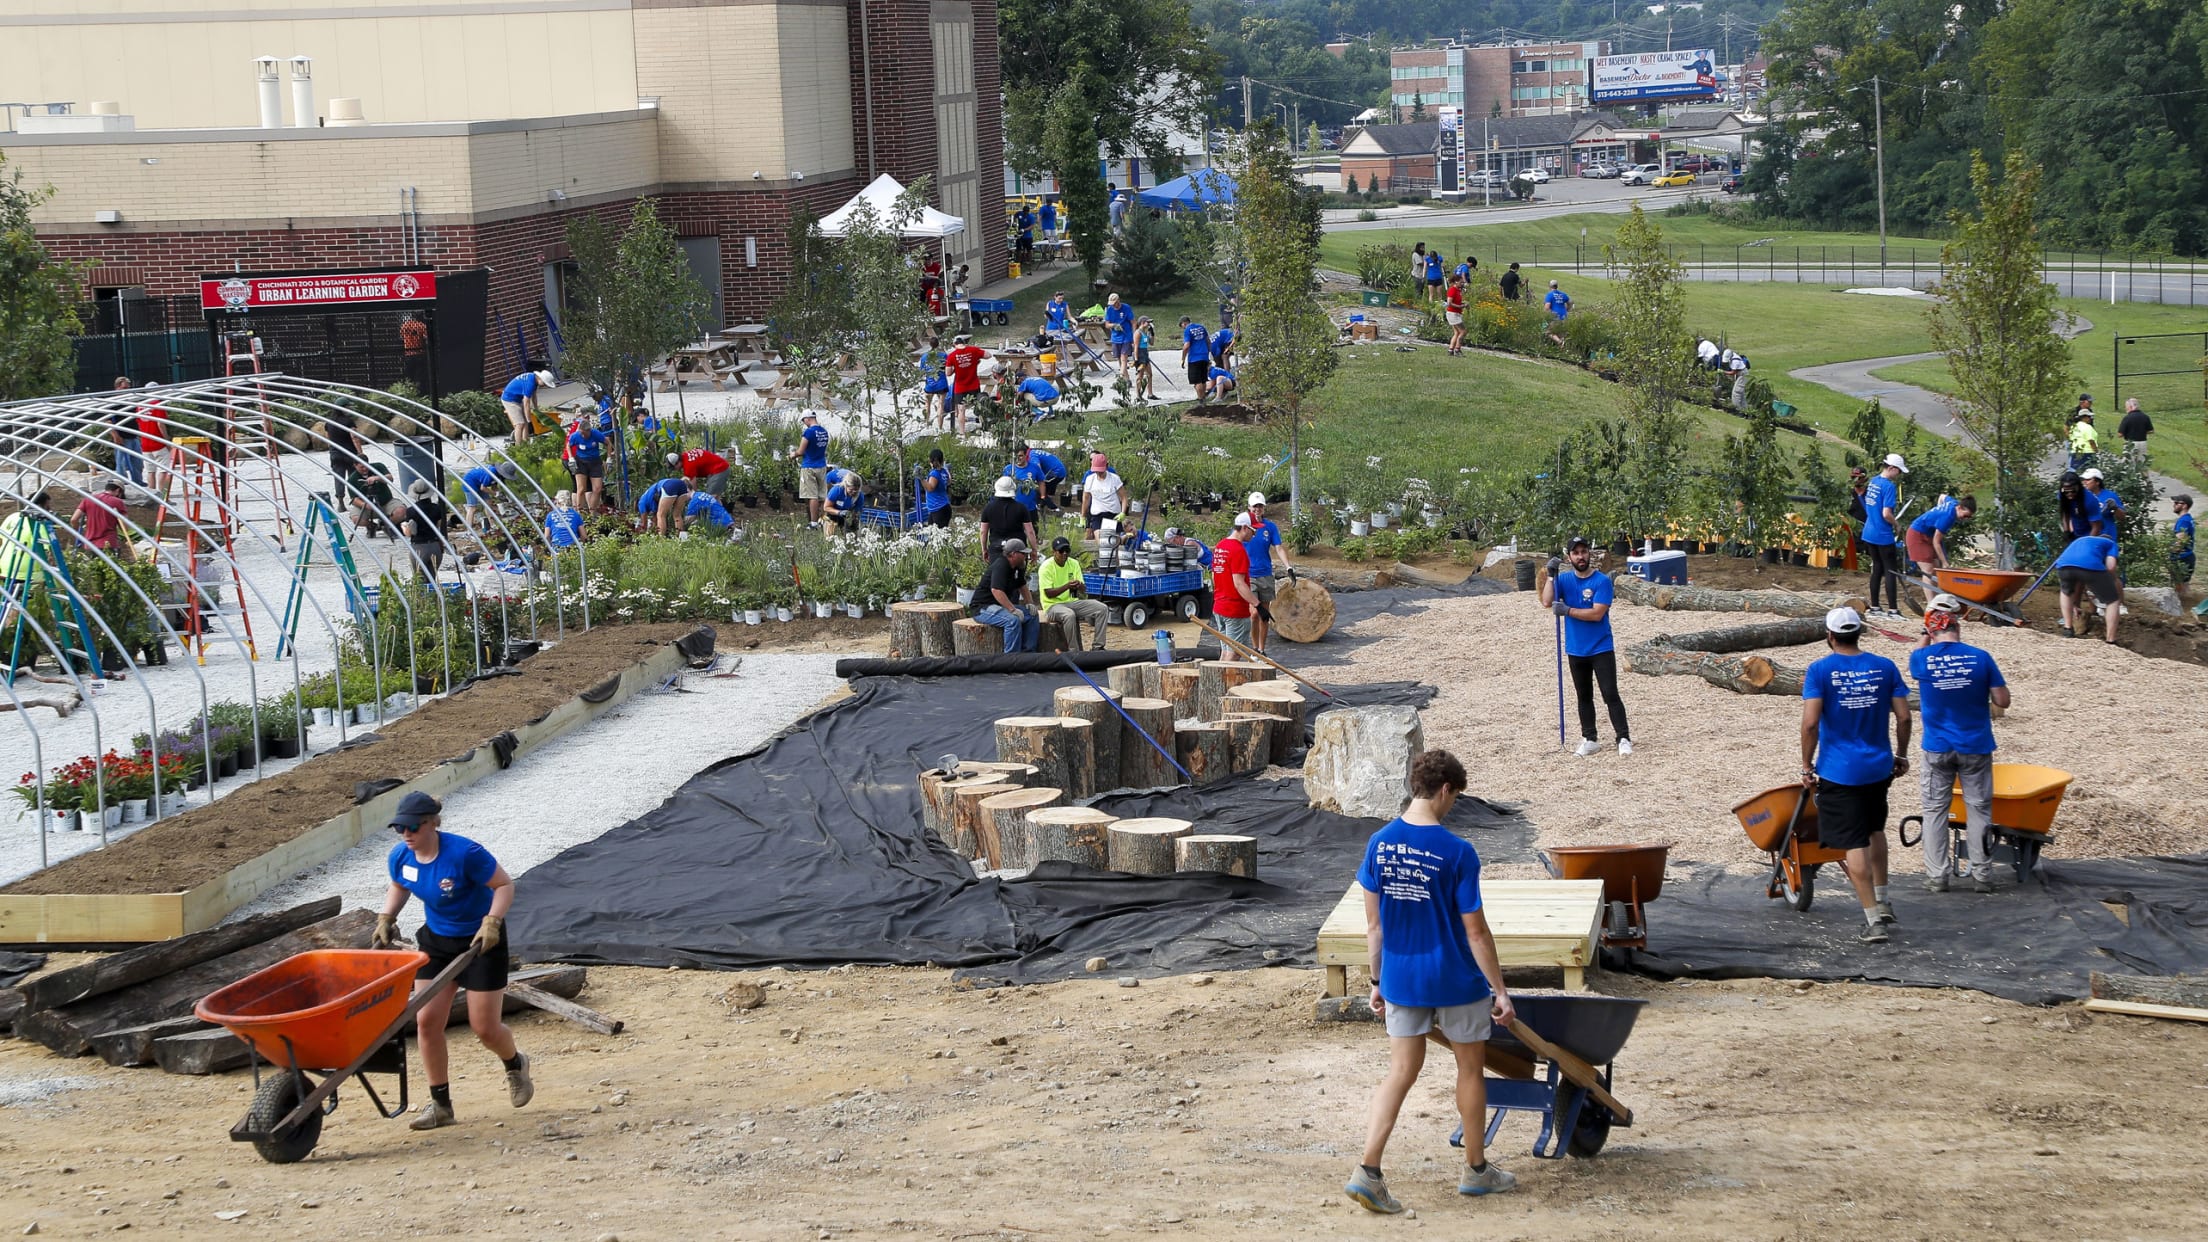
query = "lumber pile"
{"x": 1718, "y": 656}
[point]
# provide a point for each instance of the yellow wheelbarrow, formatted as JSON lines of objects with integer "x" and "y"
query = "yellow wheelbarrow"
{"x": 2025, "y": 799}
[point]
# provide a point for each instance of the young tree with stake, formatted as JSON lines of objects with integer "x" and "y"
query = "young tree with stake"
{"x": 1287, "y": 342}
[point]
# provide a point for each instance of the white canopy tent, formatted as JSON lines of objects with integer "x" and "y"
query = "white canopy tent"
{"x": 882, "y": 196}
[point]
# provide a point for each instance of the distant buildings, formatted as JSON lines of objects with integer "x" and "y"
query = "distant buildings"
{"x": 1524, "y": 79}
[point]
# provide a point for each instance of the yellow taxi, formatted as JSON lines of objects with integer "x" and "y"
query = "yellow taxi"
{"x": 1674, "y": 177}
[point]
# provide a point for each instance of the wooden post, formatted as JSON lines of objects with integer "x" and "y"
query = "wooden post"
{"x": 971, "y": 637}
{"x": 1145, "y": 846}
{"x": 924, "y": 628}
{"x": 1140, "y": 764}
{"x": 1204, "y": 749}
{"x": 1105, "y": 738}
{"x": 940, "y": 801}
{"x": 1250, "y": 740}
{"x": 1080, "y": 751}
{"x": 1134, "y": 681}
{"x": 1040, "y": 740}
{"x": 970, "y": 832}
{"x": 1008, "y": 841}
{"x": 1074, "y": 834}
{"x": 1178, "y": 685}
{"x": 1273, "y": 698}
{"x": 1232, "y": 854}
{"x": 1216, "y": 677}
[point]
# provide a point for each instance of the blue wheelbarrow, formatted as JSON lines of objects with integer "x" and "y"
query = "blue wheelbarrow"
{"x": 980, "y": 311}
{"x": 1554, "y": 1060}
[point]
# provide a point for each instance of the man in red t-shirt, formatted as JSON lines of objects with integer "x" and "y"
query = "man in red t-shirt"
{"x": 101, "y": 516}
{"x": 964, "y": 364}
{"x": 706, "y": 470}
{"x": 1233, "y": 599}
{"x": 1453, "y": 310}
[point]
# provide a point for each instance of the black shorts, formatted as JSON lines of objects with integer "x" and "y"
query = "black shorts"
{"x": 588, "y": 467}
{"x": 1848, "y": 816}
{"x": 939, "y": 517}
{"x": 1199, "y": 372}
{"x": 2102, "y": 583}
{"x": 1095, "y": 520}
{"x": 486, "y": 973}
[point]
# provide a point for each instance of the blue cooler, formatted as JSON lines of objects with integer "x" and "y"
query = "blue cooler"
{"x": 1659, "y": 567}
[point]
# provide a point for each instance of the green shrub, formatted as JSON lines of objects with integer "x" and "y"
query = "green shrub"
{"x": 480, "y": 413}
{"x": 1367, "y": 214}
{"x": 1385, "y": 267}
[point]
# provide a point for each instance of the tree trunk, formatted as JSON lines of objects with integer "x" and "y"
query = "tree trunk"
{"x": 1713, "y": 655}
{"x": 1145, "y": 846}
{"x": 1674, "y": 597}
{"x": 972, "y": 835}
{"x": 1223, "y": 852}
{"x": 133, "y": 1045}
{"x": 1303, "y": 610}
{"x": 1099, "y": 710}
{"x": 1216, "y": 677}
{"x": 1141, "y": 765}
{"x": 1134, "y": 681}
{"x": 1040, "y": 740}
{"x": 1009, "y": 841}
{"x": 2183, "y": 991}
{"x": 1074, "y": 834}
{"x": 1280, "y": 700}
{"x": 1737, "y": 638}
{"x": 1204, "y": 749}
{"x": 971, "y": 637}
{"x": 940, "y": 802}
{"x": 1080, "y": 752}
{"x": 923, "y": 628}
{"x": 121, "y": 970}
{"x": 1178, "y": 685}
{"x": 1250, "y": 740}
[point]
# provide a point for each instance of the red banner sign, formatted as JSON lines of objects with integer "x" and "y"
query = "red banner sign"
{"x": 238, "y": 293}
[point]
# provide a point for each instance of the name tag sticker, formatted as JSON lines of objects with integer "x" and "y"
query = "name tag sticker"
{"x": 409, "y": 872}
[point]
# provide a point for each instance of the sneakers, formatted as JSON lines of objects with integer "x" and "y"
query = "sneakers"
{"x": 1935, "y": 883}
{"x": 432, "y": 1116}
{"x": 1885, "y": 911}
{"x": 1588, "y": 748}
{"x": 519, "y": 1086}
{"x": 1625, "y": 746}
{"x": 1371, "y": 1193}
{"x": 1493, "y": 1181}
{"x": 1874, "y": 933}
{"x": 1983, "y": 884}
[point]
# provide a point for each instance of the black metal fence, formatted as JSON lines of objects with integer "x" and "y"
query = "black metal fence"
{"x": 166, "y": 340}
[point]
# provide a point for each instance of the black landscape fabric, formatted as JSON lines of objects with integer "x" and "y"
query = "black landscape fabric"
{"x": 810, "y": 852}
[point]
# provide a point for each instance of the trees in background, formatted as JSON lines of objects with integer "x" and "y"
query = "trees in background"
{"x": 633, "y": 297}
{"x": 1655, "y": 354}
{"x": 38, "y": 301}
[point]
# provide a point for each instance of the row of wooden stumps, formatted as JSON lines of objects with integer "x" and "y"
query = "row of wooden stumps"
{"x": 935, "y": 628}
{"x": 1220, "y": 718}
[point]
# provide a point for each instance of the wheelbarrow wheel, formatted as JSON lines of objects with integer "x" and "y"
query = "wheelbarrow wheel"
{"x": 279, "y": 1094}
{"x": 1592, "y": 1129}
{"x": 1800, "y": 886}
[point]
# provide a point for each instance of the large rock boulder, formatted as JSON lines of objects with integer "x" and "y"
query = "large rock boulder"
{"x": 2164, "y": 600}
{"x": 1360, "y": 760}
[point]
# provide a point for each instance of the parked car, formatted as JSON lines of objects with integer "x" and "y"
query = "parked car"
{"x": 1486, "y": 176}
{"x": 1642, "y": 174}
{"x": 1602, "y": 169}
{"x": 1696, "y": 164}
{"x": 1538, "y": 176}
{"x": 1676, "y": 177}
{"x": 1731, "y": 183}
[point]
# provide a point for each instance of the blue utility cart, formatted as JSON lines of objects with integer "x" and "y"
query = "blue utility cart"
{"x": 889, "y": 519}
{"x": 1135, "y": 600}
{"x": 980, "y": 311}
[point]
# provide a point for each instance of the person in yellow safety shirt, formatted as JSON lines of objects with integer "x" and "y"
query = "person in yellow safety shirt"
{"x": 1066, "y": 597}
{"x": 2085, "y": 443}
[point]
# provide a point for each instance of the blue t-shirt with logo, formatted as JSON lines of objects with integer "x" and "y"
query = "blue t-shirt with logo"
{"x": 563, "y": 528}
{"x": 1940, "y": 517}
{"x": 845, "y": 495}
{"x": 586, "y": 443}
{"x": 1558, "y": 302}
{"x": 648, "y": 503}
{"x": 1196, "y": 339}
{"x": 1055, "y": 311}
{"x": 477, "y": 483}
{"x": 815, "y": 456}
{"x": 1858, "y": 692}
{"x": 454, "y": 887}
{"x": 2087, "y": 552}
{"x": 1879, "y": 495}
{"x": 1121, "y": 320}
{"x": 1428, "y": 879}
{"x": 522, "y": 385}
{"x": 940, "y": 498}
{"x": 1433, "y": 269}
{"x": 1264, "y": 537}
{"x": 1954, "y": 682}
{"x": 1586, "y": 638}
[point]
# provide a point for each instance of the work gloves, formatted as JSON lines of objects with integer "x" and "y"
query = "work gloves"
{"x": 1291, "y": 575}
{"x": 487, "y": 936}
{"x": 1264, "y": 613}
{"x": 387, "y": 930}
{"x": 1555, "y": 563}
{"x": 1559, "y": 607}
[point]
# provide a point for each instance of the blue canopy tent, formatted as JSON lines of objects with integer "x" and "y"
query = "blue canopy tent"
{"x": 1202, "y": 188}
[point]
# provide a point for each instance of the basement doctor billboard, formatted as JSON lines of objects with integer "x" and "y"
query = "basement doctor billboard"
{"x": 1654, "y": 75}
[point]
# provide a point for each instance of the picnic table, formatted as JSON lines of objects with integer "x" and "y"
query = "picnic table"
{"x": 716, "y": 361}
{"x": 748, "y": 337}
{"x": 1535, "y": 923}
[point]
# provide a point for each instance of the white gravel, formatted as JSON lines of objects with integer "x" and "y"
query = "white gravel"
{"x": 597, "y": 778}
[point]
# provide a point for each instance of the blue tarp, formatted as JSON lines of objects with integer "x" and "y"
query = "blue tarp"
{"x": 1199, "y": 189}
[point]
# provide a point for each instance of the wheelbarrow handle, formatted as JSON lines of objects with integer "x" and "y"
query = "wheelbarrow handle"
{"x": 330, "y": 1083}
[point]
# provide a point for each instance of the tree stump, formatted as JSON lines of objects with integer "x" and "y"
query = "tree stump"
{"x": 1145, "y": 846}
{"x": 1216, "y": 677}
{"x": 971, "y": 637}
{"x": 938, "y": 789}
{"x": 1007, "y": 840}
{"x": 1080, "y": 754}
{"x": 967, "y": 818}
{"x": 1228, "y": 853}
{"x": 1040, "y": 740}
{"x": 1105, "y": 739}
{"x": 1134, "y": 681}
{"x": 1141, "y": 766}
{"x": 924, "y": 628}
{"x": 1249, "y": 740}
{"x": 1074, "y": 834}
{"x": 1204, "y": 748}
{"x": 1278, "y": 699}
{"x": 1303, "y": 611}
{"x": 1178, "y": 685}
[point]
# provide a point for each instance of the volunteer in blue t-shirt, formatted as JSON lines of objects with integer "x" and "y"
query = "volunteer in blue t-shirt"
{"x": 1035, "y": 476}
{"x": 1222, "y": 348}
{"x": 812, "y": 464}
{"x": 1434, "y": 270}
{"x": 846, "y": 496}
{"x": 2181, "y": 540}
{"x": 519, "y": 399}
{"x": 1881, "y": 506}
{"x": 1581, "y": 595}
{"x": 1927, "y": 537}
{"x": 1264, "y": 546}
{"x": 586, "y": 464}
{"x": 1119, "y": 321}
{"x": 704, "y": 508}
{"x": 1846, "y": 759}
{"x": 1040, "y": 395}
{"x": 2089, "y": 564}
{"x": 1958, "y": 686}
{"x": 1057, "y": 315}
{"x": 663, "y": 503}
{"x": 1434, "y": 973}
{"x": 935, "y": 491}
{"x": 1196, "y": 355}
{"x": 1558, "y": 302}
{"x": 478, "y": 485}
{"x": 465, "y": 896}
{"x": 563, "y": 526}
{"x": 1222, "y": 381}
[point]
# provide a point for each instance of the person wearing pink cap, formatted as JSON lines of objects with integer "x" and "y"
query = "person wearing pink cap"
{"x": 1103, "y": 493}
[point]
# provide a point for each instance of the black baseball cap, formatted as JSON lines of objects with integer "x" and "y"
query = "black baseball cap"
{"x": 1061, "y": 544}
{"x": 1577, "y": 541}
{"x": 415, "y": 808}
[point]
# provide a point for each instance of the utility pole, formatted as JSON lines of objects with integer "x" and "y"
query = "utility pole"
{"x": 1878, "y": 121}
{"x": 1245, "y": 102}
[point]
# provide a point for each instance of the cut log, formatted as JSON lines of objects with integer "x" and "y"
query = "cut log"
{"x": 2185, "y": 991}
{"x": 1278, "y": 699}
{"x": 971, "y": 637}
{"x": 1415, "y": 576}
{"x": 1204, "y": 748}
{"x": 1075, "y": 834}
{"x": 1080, "y": 752}
{"x": 1144, "y": 846}
{"x": 1134, "y": 681}
{"x": 133, "y": 1045}
{"x": 1229, "y": 853}
{"x": 1040, "y": 740}
{"x": 1678, "y": 597}
{"x": 1216, "y": 677}
{"x": 69, "y": 1030}
{"x": 1141, "y": 764}
{"x": 201, "y": 1052}
{"x": 561, "y": 1007}
{"x": 1713, "y": 655}
{"x": 1178, "y": 685}
{"x": 1101, "y": 711}
{"x": 937, "y": 786}
{"x": 1303, "y": 610}
{"x": 1733, "y": 639}
{"x": 1007, "y": 839}
{"x": 923, "y": 628}
{"x": 1249, "y": 740}
{"x": 121, "y": 970}
{"x": 971, "y": 835}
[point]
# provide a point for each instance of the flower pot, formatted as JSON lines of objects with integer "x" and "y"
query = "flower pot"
{"x": 965, "y": 597}
{"x": 69, "y": 821}
{"x": 134, "y": 810}
{"x": 1394, "y": 508}
{"x": 365, "y": 713}
{"x": 781, "y": 614}
{"x": 1799, "y": 560}
{"x": 854, "y": 611}
{"x": 823, "y": 611}
{"x": 226, "y": 766}
{"x": 112, "y": 817}
{"x": 1380, "y": 519}
{"x": 1360, "y": 529}
{"x": 751, "y": 616}
{"x": 171, "y": 804}
{"x": 283, "y": 748}
{"x": 324, "y": 717}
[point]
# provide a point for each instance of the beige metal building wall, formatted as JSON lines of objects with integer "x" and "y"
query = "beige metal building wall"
{"x": 956, "y": 157}
{"x": 747, "y": 88}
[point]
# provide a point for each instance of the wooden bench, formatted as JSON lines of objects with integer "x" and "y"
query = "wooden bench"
{"x": 1535, "y": 922}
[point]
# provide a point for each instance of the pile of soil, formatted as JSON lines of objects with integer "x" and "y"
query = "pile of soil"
{"x": 177, "y": 854}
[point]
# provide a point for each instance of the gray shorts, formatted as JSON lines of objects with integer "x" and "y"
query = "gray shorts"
{"x": 514, "y": 412}
{"x": 812, "y": 483}
{"x": 1264, "y": 588}
{"x": 1459, "y": 1024}
{"x": 1236, "y": 628}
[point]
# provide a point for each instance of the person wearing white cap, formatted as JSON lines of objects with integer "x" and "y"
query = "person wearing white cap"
{"x": 1004, "y": 517}
{"x": 1233, "y": 600}
{"x": 519, "y": 398}
{"x": 1264, "y": 545}
{"x": 1847, "y": 760}
{"x": 1958, "y": 686}
{"x": 1881, "y": 501}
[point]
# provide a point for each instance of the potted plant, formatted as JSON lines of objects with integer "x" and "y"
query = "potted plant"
{"x": 280, "y": 726}
{"x": 130, "y": 784}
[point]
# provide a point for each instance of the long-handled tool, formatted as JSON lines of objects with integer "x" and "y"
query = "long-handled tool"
{"x": 1560, "y": 681}
{"x": 1259, "y": 655}
{"x": 1139, "y": 730}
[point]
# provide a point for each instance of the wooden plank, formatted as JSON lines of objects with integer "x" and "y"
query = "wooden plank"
{"x": 560, "y": 1007}
{"x": 1535, "y": 923}
{"x": 2183, "y": 991}
{"x": 2140, "y": 1009}
{"x": 121, "y": 970}
{"x": 1575, "y": 1069}
{"x": 133, "y": 1045}
{"x": 201, "y": 1052}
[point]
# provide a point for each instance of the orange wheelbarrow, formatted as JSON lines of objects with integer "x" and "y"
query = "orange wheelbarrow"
{"x": 1783, "y": 823}
{"x": 1985, "y": 591}
{"x": 2025, "y": 799}
{"x": 340, "y": 1012}
{"x": 1631, "y": 875}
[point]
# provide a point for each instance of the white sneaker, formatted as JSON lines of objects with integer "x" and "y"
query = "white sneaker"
{"x": 1625, "y": 746}
{"x": 1588, "y": 747}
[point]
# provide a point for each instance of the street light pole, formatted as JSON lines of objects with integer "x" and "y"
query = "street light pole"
{"x": 1878, "y": 121}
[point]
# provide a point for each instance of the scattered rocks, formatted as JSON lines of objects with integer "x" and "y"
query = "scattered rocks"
{"x": 742, "y": 996}
{"x": 231, "y": 1215}
{"x": 1096, "y": 965}
{"x": 1129, "y": 981}
{"x": 1199, "y": 981}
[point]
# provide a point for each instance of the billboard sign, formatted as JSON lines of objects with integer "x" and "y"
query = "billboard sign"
{"x": 1651, "y": 76}
{"x": 243, "y": 293}
{"x": 1449, "y": 114}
